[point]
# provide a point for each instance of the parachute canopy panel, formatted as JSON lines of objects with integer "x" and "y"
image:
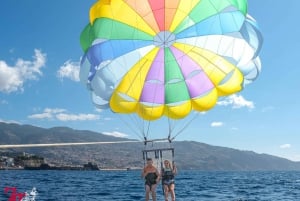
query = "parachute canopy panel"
{"x": 168, "y": 57}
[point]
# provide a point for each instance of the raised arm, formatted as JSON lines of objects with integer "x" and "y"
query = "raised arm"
{"x": 174, "y": 169}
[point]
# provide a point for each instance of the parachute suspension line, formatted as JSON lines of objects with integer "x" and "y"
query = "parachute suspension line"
{"x": 131, "y": 127}
{"x": 171, "y": 128}
{"x": 146, "y": 134}
{"x": 173, "y": 160}
{"x": 139, "y": 123}
{"x": 186, "y": 125}
{"x": 136, "y": 127}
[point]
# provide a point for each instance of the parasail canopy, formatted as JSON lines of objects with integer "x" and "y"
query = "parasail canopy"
{"x": 168, "y": 57}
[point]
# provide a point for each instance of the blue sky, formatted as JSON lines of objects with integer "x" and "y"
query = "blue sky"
{"x": 39, "y": 85}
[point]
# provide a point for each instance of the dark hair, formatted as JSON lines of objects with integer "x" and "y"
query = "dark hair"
{"x": 149, "y": 159}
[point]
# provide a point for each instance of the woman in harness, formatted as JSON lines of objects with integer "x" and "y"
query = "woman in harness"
{"x": 151, "y": 176}
{"x": 168, "y": 174}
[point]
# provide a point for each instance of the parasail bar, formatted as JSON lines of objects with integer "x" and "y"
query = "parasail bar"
{"x": 158, "y": 140}
{"x": 161, "y": 149}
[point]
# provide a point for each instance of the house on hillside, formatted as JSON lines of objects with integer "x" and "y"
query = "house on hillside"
{"x": 6, "y": 162}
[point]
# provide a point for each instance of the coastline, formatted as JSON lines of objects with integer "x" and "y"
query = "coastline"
{"x": 72, "y": 168}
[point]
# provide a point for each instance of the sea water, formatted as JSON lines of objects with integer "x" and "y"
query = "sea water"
{"x": 128, "y": 185}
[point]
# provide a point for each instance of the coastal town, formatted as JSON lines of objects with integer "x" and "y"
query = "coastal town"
{"x": 23, "y": 160}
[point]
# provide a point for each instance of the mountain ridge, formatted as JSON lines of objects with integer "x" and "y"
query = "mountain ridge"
{"x": 188, "y": 154}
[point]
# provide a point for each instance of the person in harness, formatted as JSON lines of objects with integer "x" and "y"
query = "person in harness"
{"x": 168, "y": 175}
{"x": 152, "y": 177}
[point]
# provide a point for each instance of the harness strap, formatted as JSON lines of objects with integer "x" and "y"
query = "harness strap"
{"x": 161, "y": 166}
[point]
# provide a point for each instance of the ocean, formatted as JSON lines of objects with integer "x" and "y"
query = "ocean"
{"x": 114, "y": 185}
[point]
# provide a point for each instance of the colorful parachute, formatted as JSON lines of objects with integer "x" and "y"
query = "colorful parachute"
{"x": 168, "y": 57}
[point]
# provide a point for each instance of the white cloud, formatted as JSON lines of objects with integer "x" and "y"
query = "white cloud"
{"x": 99, "y": 110}
{"x": 69, "y": 70}
{"x": 76, "y": 117}
{"x": 236, "y": 102}
{"x": 295, "y": 158}
{"x": 12, "y": 78}
{"x": 115, "y": 134}
{"x": 199, "y": 113}
{"x": 48, "y": 113}
{"x": 62, "y": 115}
{"x": 285, "y": 146}
{"x": 9, "y": 121}
{"x": 54, "y": 110}
{"x": 216, "y": 124}
{"x": 43, "y": 115}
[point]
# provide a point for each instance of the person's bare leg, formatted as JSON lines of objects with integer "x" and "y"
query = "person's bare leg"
{"x": 172, "y": 187}
{"x": 153, "y": 190}
{"x": 166, "y": 189}
{"x": 147, "y": 195}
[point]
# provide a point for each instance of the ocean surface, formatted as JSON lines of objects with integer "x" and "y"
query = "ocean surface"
{"x": 128, "y": 186}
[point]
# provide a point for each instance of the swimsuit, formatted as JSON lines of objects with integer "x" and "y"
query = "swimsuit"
{"x": 150, "y": 179}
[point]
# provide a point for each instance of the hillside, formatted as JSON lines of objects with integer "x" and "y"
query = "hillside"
{"x": 188, "y": 154}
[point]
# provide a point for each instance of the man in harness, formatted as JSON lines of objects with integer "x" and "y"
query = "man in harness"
{"x": 168, "y": 174}
{"x": 152, "y": 177}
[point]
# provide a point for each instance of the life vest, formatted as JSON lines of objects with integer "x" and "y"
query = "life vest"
{"x": 168, "y": 175}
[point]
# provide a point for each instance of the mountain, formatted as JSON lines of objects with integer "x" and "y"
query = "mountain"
{"x": 188, "y": 154}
